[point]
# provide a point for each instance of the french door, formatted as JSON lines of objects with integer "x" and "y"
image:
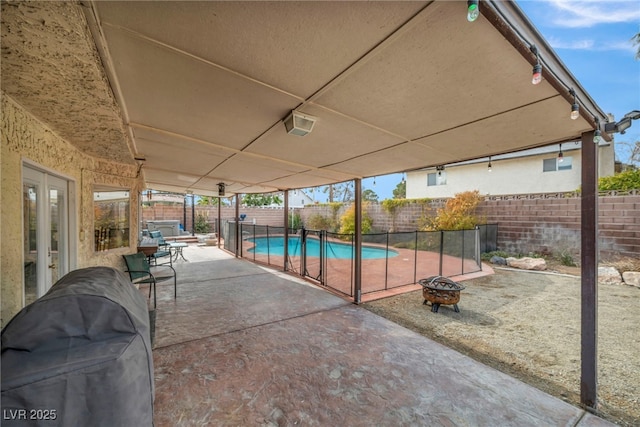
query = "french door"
{"x": 45, "y": 210}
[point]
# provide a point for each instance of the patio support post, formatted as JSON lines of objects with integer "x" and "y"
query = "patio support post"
{"x": 237, "y": 248}
{"x": 286, "y": 231}
{"x": 589, "y": 272}
{"x": 193, "y": 214}
{"x": 462, "y": 257}
{"x": 184, "y": 213}
{"x": 219, "y": 222}
{"x": 357, "y": 258}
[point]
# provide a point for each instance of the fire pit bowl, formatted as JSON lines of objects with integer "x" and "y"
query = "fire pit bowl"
{"x": 441, "y": 290}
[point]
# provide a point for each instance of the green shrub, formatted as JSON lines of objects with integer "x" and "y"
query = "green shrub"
{"x": 202, "y": 225}
{"x": 348, "y": 221}
{"x": 486, "y": 256}
{"x": 295, "y": 221}
{"x": 320, "y": 222}
{"x": 458, "y": 213}
{"x": 624, "y": 181}
{"x": 566, "y": 259}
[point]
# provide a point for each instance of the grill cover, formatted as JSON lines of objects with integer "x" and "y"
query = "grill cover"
{"x": 81, "y": 354}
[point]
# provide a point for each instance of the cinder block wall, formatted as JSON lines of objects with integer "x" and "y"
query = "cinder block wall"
{"x": 552, "y": 225}
{"x": 263, "y": 216}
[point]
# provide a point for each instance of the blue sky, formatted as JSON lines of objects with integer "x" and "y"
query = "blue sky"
{"x": 593, "y": 39}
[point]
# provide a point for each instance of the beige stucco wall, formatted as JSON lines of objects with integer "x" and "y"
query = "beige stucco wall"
{"x": 24, "y": 138}
{"x": 521, "y": 175}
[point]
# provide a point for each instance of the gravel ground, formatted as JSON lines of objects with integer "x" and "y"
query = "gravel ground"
{"x": 527, "y": 325}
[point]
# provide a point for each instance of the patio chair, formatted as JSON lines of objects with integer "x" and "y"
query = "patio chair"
{"x": 140, "y": 272}
{"x": 164, "y": 249}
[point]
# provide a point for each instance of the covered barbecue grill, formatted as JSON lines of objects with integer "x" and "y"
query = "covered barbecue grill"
{"x": 80, "y": 355}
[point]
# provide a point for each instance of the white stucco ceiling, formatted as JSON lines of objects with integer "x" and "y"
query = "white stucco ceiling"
{"x": 200, "y": 89}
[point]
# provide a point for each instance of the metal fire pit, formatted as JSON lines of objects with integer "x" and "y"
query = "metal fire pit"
{"x": 441, "y": 290}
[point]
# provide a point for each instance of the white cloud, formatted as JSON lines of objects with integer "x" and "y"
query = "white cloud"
{"x": 592, "y": 45}
{"x": 573, "y": 44}
{"x": 588, "y": 13}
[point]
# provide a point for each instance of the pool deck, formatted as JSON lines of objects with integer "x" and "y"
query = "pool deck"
{"x": 247, "y": 345}
{"x": 380, "y": 277}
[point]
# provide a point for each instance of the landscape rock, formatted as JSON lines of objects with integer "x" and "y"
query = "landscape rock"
{"x": 631, "y": 278}
{"x": 609, "y": 276}
{"x": 527, "y": 263}
{"x": 498, "y": 260}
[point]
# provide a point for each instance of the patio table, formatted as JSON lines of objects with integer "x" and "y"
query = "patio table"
{"x": 177, "y": 247}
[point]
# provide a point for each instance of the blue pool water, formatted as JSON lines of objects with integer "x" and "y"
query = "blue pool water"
{"x": 336, "y": 250}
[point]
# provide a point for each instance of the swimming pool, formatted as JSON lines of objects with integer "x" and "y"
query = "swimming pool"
{"x": 336, "y": 250}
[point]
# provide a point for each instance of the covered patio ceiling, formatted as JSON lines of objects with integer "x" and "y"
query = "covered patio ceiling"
{"x": 196, "y": 92}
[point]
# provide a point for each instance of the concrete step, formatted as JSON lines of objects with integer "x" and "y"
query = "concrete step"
{"x": 183, "y": 239}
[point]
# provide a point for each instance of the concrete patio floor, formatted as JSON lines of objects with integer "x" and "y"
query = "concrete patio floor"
{"x": 244, "y": 345}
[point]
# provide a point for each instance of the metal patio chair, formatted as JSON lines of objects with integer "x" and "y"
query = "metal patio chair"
{"x": 164, "y": 249}
{"x": 139, "y": 271}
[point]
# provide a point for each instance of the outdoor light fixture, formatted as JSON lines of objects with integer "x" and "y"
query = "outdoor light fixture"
{"x": 374, "y": 181}
{"x": 560, "y": 155}
{"x": 575, "y": 108}
{"x": 299, "y": 124}
{"x": 623, "y": 124}
{"x": 403, "y": 179}
{"x": 440, "y": 178}
{"x": 221, "y": 188}
{"x": 489, "y": 168}
{"x": 597, "y": 135}
{"x": 537, "y": 69}
{"x": 473, "y": 11}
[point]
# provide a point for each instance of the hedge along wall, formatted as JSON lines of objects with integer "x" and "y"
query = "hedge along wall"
{"x": 541, "y": 223}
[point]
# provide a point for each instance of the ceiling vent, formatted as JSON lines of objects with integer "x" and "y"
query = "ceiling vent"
{"x": 299, "y": 124}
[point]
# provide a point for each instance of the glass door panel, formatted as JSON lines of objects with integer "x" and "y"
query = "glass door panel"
{"x": 57, "y": 231}
{"x": 45, "y": 231}
{"x": 30, "y": 233}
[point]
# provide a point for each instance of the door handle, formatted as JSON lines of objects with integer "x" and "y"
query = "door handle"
{"x": 52, "y": 266}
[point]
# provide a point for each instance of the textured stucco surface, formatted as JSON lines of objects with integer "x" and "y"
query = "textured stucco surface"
{"x": 25, "y": 138}
{"x": 48, "y": 45}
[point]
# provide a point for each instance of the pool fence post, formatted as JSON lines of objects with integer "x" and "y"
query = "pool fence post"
{"x": 415, "y": 259}
{"x": 441, "y": 251}
{"x": 478, "y": 252}
{"x": 357, "y": 273}
{"x": 386, "y": 264}
{"x": 323, "y": 255}
{"x": 303, "y": 252}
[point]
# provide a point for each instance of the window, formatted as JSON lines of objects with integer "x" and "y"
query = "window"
{"x": 553, "y": 164}
{"x": 565, "y": 165}
{"x": 436, "y": 178}
{"x": 111, "y": 218}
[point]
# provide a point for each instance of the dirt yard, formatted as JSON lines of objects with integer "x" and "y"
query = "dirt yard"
{"x": 527, "y": 325}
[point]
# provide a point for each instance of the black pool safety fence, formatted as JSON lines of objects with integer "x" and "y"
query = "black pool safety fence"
{"x": 389, "y": 260}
